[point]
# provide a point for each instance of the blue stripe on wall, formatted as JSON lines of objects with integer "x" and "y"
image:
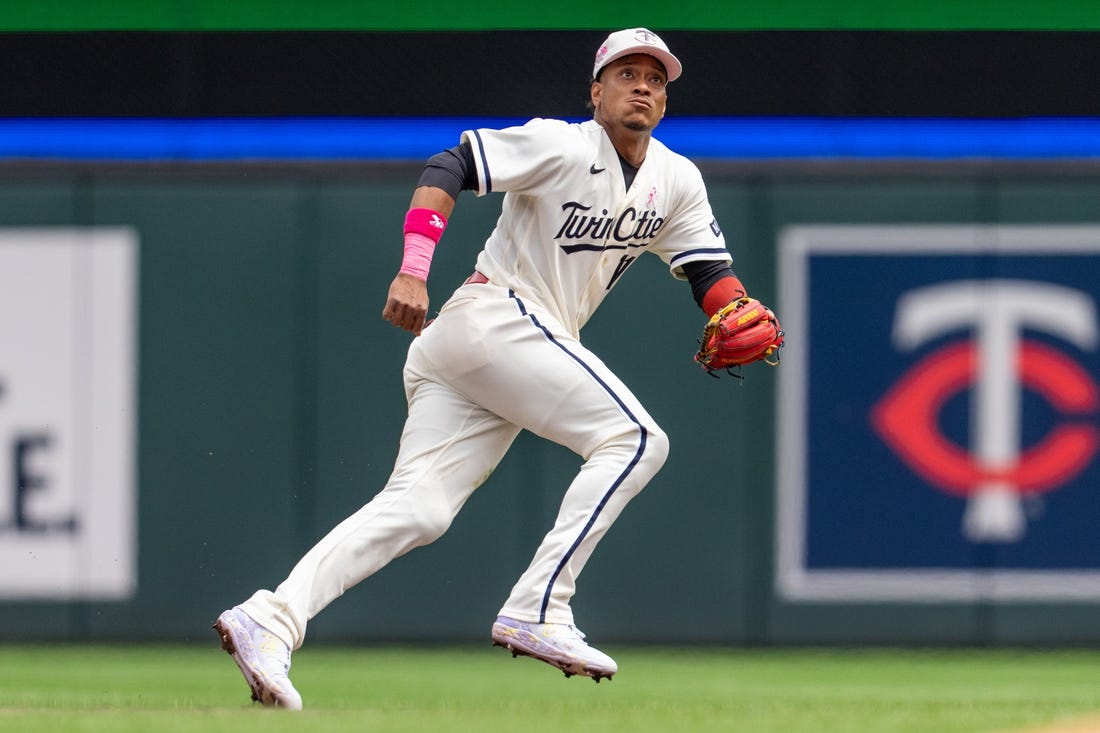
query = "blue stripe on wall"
{"x": 392, "y": 139}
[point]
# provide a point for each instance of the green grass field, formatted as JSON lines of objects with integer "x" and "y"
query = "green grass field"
{"x": 194, "y": 689}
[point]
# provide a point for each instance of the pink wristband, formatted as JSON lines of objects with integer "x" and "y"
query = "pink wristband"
{"x": 427, "y": 222}
{"x": 418, "y": 255}
{"x": 423, "y": 228}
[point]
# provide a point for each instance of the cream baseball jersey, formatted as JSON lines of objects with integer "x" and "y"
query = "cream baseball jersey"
{"x": 569, "y": 228}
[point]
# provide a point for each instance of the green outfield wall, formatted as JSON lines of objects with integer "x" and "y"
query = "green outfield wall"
{"x": 270, "y": 404}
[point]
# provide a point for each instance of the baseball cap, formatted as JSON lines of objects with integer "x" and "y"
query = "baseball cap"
{"x": 636, "y": 40}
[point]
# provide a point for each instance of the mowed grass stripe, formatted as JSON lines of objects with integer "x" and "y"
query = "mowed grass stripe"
{"x": 197, "y": 688}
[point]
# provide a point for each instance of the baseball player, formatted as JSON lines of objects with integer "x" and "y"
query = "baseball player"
{"x": 581, "y": 203}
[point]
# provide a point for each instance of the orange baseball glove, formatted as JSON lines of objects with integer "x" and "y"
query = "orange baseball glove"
{"x": 740, "y": 333}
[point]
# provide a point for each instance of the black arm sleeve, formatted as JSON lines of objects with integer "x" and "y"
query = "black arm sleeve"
{"x": 703, "y": 274}
{"x": 453, "y": 170}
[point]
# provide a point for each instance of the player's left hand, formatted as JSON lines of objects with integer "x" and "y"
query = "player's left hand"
{"x": 742, "y": 332}
{"x": 407, "y": 303}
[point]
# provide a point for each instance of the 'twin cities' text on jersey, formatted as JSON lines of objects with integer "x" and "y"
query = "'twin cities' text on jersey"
{"x": 565, "y": 235}
{"x": 627, "y": 227}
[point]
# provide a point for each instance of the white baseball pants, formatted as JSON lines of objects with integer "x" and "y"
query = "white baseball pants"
{"x": 490, "y": 365}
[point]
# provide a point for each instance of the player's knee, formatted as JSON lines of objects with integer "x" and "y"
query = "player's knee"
{"x": 656, "y": 446}
{"x": 431, "y": 522}
{"x": 647, "y": 445}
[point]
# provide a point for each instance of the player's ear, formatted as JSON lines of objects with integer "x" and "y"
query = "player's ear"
{"x": 595, "y": 92}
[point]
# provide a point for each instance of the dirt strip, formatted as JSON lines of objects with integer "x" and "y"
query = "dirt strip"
{"x": 1084, "y": 724}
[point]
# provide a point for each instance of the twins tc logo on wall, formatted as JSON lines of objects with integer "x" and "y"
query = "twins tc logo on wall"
{"x": 940, "y": 413}
{"x": 995, "y": 362}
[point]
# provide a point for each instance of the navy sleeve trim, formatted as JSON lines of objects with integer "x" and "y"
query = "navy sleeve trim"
{"x": 701, "y": 251}
{"x": 484, "y": 162}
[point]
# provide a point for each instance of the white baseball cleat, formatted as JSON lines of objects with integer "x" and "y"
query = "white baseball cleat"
{"x": 560, "y": 645}
{"x": 264, "y": 659}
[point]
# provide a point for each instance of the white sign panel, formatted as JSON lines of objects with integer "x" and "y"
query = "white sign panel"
{"x": 68, "y": 374}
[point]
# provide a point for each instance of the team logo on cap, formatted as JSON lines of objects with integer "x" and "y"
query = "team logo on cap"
{"x": 647, "y": 37}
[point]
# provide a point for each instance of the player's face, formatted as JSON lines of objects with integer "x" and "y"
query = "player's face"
{"x": 631, "y": 92}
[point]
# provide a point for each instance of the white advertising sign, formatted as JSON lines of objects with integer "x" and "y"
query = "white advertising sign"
{"x": 68, "y": 414}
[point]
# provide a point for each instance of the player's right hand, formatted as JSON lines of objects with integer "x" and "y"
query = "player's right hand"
{"x": 407, "y": 303}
